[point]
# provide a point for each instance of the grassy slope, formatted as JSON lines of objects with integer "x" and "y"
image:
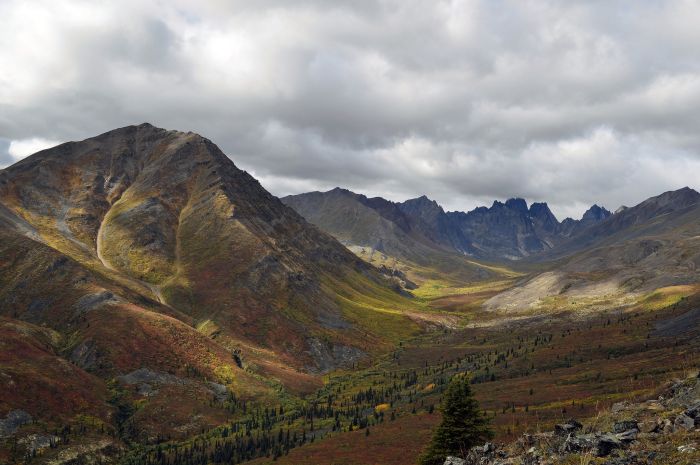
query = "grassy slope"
{"x": 588, "y": 364}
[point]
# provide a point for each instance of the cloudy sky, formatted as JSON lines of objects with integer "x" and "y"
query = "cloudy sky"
{"x": 466, "y": 101}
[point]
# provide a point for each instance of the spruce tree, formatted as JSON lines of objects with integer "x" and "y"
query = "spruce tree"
{"x": 463, "y": 425}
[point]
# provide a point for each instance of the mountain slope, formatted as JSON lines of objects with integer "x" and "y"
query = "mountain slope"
{"x": 150, "y": 258}
{"x": 647, "y": 251}
{"x": 413, "y": 234}
{"x": 170, "y": 214}
{"x": 654, "y": 215}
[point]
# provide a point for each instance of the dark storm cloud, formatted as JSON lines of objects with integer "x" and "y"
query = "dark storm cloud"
{"x": 567, "y": 102}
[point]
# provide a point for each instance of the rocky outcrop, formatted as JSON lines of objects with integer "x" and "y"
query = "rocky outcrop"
{"x": 12, "y": 422}
{"x": 636, "y": 434}
{"x": 398, "y": 277}
{"x": 328, "y": 356}
{"x": 146, "y": 380}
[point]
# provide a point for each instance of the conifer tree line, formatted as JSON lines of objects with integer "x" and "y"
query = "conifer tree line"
{"x": 347, "y": 403}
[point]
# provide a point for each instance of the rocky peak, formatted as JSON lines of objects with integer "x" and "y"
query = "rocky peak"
{"x": 595, "y": 213}
{"x": 422, "y": 206}
{"x": 340, "y": 191}
{"x": 543, "y": 218}
{"x": 518, "y": 205}
{"x": 541, "y": 211}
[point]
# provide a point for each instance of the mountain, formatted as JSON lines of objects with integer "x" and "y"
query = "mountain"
{"x": 595, "y": 214}
{"x": 509, "y": 230}
{"x": 651, "y": 249}
{"x": 146, "y": 255}
{"x": 654, "y": 215}
{"x": 414, "y": 234}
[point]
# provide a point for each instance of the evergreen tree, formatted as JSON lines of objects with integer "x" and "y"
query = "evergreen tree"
{"x": 463, "y": 425}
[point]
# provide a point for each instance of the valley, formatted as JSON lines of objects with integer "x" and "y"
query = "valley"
{"x": 158, "y": 306}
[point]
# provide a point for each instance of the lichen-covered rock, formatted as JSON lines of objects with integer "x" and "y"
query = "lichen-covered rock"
{"x": 684, "y": 422}
{"x": 606, "y": 443}
{"x": 454, "y": 461}
{"x": 622, "y": 426}
{"x": 38, "y": 442}
{"x": 627, "y": 436}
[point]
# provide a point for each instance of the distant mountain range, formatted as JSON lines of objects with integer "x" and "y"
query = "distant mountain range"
{"x": 651, "y": 245}
{"x": 509, "y": 230}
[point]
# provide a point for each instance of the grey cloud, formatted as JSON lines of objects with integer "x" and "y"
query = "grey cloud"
{"x": 572, "y": 103}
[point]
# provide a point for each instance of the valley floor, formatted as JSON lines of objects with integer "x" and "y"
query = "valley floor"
{"x": 529, "y": 372}
{"x": 528, "y": 375}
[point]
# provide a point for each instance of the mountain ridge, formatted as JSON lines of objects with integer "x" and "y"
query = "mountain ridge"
{"x": 510, "y": 229}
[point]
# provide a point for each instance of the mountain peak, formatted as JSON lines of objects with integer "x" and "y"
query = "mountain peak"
{"x": 539, "y": 206}
{"x": 541, "y": 210}
{"x": 596, "y": 213}
{"x": 423, "y": 200}
{"x": 679, "y": 198}
{"x": 422, "y": 206}
{"x": 339, "y": 190}
{"x": 517, "y": 204}
{"x": 133, "y": 128}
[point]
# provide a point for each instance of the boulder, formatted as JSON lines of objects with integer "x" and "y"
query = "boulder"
{"x": 532, "y": 457}
{"x": 647, "y": 426}
{"x": 450, "y": 460}
{"x": 486, "y": 449}
{"x": 622, "y": 426}
{"x": 38, "y": 442}
{"x": 567, "y": 428}
{"x": 683, "y": 421}
{"x": 606, "y": 443}
{"x": 693, "y": 411}
{"x": 663, "y": 426}
{"x": 576, "y": 444}
{"x": 482, "y": 454}
{"x": 627, "y": 436}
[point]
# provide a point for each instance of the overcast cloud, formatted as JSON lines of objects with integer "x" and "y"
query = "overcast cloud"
{"x": 571, "y": 102}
